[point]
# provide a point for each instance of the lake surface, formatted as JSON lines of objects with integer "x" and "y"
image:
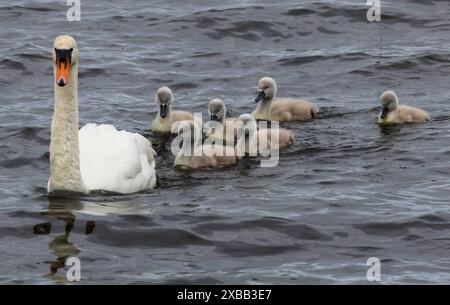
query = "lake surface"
{"x": 345, "y": 191}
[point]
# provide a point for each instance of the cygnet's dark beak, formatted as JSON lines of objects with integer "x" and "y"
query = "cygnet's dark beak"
{"x": 384, "y": 113}
{"x": 163, "y": 110}
{"x": 260, "y": 96}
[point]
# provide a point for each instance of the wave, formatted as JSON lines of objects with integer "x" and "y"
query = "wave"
{"x": 306, "y": 59}
{"x": 403, "y": 228}
{"x": 252, "y": 30}
{"x": 13, "y": 65}
{"x": 414, "y": 62}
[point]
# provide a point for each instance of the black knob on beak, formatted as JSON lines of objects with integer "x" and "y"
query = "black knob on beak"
{"x": 61, "y": 83}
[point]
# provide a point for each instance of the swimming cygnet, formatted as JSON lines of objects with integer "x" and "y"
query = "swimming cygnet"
{"x": 393, "y": 112}
{"x": 220, "y": 128}
{"x": 251, "y": 140}
{"x": 282, "y": 109}
{"x": 167, "y": 120}
{"x": 195, "y": 155}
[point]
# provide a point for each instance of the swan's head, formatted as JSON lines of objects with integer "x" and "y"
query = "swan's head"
{"x": 217, "y": 110}
{"x": 65, "y": 55}
{"x": 267, "y": 89}
{"x": 389, "y": 102}
{"x": 247, "y": 123}
{"x": 163, "y": 99}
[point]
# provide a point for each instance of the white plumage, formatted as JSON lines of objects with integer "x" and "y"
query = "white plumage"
{"x": 116, "y": 161}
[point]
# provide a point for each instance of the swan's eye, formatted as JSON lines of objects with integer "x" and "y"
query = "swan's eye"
{"x": 267, "y": 87}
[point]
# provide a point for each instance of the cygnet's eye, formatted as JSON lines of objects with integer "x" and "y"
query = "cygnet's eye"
{"x": 266, "y": 87}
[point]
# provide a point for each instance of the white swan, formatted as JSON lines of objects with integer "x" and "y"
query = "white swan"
{"x": 97, "y": 157}
{"x": 394, "y": 113}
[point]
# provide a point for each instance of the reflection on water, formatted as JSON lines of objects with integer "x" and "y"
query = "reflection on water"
{"x": 390, "y": 129}
{"x": 62, "y": 209}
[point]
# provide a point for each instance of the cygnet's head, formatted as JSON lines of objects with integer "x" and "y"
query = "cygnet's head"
{"x": 267, "y": 89}
{"x": 247, "y": 123}
{"x": 65, "y": 55}
{"x": 217, "y": 110}
{"x": 163, "y": 99}
{"x": 389, "y": 102}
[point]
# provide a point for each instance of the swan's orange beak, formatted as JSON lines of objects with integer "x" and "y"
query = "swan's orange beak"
{"x": 63, "y": 64}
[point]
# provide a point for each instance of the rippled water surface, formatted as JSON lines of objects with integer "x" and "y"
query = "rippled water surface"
{"x": 346, "y": 190}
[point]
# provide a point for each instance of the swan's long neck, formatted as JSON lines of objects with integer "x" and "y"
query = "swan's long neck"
{"x": 65, "y": 172}
{"x": 264, "y": 108}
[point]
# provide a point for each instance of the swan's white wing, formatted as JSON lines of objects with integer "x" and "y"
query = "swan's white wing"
{"x": 115, "y": 161}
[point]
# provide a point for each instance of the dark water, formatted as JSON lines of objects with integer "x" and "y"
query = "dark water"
{"x": 346, "y": 191}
